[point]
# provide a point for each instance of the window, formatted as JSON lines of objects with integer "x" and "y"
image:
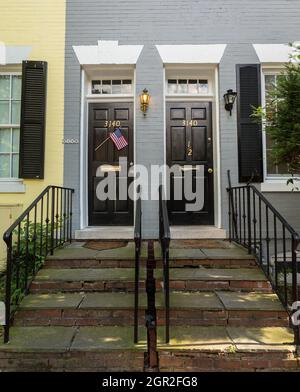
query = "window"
{"x": 10, "y": 105}
{"x": 187, "y": 86}
{"x": 272, "y": 170}
{"x": 112, "y": 86}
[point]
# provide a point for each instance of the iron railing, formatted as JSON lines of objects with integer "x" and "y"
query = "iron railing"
{"x": 42, "y": 227}
{"x": 138, "y": 243}
{"x": 256, "y": 224}
{"x": 164, "y": 238}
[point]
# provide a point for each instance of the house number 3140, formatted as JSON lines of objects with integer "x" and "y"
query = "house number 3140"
{"x": 192, "y": 123}
{"x": 112, "y": 123}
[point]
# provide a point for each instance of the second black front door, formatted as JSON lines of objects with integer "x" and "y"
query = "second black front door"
{"x": 189, "y": 143}
{"x": 104, "y": 118}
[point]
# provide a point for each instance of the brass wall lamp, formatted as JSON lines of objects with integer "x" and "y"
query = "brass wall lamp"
{"x": 229, "y": 99}
{"x": 144, "y": 100}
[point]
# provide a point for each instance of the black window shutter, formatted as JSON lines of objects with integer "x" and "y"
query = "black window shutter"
{"x": 249, "y": 133}
{"x": 33, "y": 119}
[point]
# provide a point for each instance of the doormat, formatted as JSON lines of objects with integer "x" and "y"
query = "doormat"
{"x": 199, "y": 244}
{"x": 104, "y": 245}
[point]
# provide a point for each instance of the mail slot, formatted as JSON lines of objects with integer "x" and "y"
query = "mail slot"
{"x": 189, "y": 168}
{"x": 110, "y": 168}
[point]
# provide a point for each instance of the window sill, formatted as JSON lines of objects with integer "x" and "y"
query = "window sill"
{"x": 276, "y": 186}
{"x": 12, "y": 186}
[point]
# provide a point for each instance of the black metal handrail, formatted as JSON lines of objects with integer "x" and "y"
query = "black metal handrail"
{"x": 42, "y": 227}
{"x": 256, "y": 224}
{"x": 164, "y": 238}
{"x": 138, "y": 243}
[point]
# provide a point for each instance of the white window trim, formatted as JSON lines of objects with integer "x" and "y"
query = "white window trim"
{"x": 87, "y": 98}
{"x": 190, "y": 72}
{"x": 11, "y": 184}
{"x": 271, "y": 184}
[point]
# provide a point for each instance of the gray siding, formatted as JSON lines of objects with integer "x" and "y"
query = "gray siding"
{"x": 235, "y": 22}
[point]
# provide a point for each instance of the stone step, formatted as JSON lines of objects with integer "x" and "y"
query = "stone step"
{"x": 91, "y": 255}
{"x": 195, "y": 279}
{"x": 227, "y": 349}
{"x": 192, "y": 308}
{"x": 208, "y": 253}
{"x": 79, "y": 309}
{"x": 73, "y": 349}
{"x": 86, "y": 279}
{"x": 223, "y": 308}
{"x": 55, "y": 263}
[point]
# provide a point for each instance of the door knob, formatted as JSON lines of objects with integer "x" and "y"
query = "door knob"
{"x": 210, "y": 170}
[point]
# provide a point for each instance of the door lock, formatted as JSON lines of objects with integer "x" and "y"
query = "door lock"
{"x": 210, "y": 170}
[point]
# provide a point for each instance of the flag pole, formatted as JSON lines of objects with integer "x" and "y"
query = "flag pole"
{"x": 101, "y": 144}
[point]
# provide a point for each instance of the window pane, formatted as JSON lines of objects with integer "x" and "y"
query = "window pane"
{"x": 4, "y": 86}
{"x": 106, "y": 86}
{"x": 116, "y": 86}
{"x": 4, "y": 165}
{"x": 96, "y": 86}
{"x": 15, "y": 112}
{"x": 192, "y": 87}
{"x": 271, "y": 167}
{"x": 16, "y": 86}
{"x": 15, "y": 165}
{"x": 5, "y": 143}
{"x": 203, "y": 86}
{"x": 4, "y": 112}
{"x": 282, "y": 169}
{"x": 16, "y": 140}
{"x": 182, "y": 86}
{"x": 126, "y": 87}
{"x": 172, "y": 86}
{"x": 269, "y": 82}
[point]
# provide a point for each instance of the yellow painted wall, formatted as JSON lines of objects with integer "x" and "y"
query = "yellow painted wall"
{"x": 41, "y": 25}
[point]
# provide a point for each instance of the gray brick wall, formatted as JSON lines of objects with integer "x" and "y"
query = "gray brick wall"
{"x": 235, "y": 22}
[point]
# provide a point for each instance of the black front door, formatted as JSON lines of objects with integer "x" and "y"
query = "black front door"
{"x": 104, "y": 118}
{"x": 189, "y": 142}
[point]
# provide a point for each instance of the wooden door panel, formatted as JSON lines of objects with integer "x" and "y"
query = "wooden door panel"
{"x": 189, "y": 142}
{"x": 104, "y": 118}
{"x": 198, "y": 113}
{"x": 100, "y": 134}
{"x": 199, "y": 144}
{"x": 178, "y": 136}
{"x": 177, "y": 113}
{"x": 101, "y": 114}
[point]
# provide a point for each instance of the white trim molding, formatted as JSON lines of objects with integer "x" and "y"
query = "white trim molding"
{"x": 108, "y": 52}
{"x": 277, "y": 186}
{"x": 12, "y": 186}
{"x": 191, "y": 54}
{"x": 10, "y": 54}
{"x": 273, "y": 53}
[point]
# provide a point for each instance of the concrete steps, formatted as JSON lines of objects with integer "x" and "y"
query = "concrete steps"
{"x": 73, "y": 349}
{"x": 227, "y": 349}
{"x": 86, "y": 279}
{"x": 116, "y": 308}
{"x": 79, "y": 314}
{"x": 201, "y": 278}
{"x": 223, "y": 313}
{"x": 80, "y": 309}
{"x": 223, "y": 308}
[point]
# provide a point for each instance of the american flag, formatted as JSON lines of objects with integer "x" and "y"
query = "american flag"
{"x": 118, "y": 139}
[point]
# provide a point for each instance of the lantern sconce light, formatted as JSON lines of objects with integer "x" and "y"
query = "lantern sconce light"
{"x": 144, "y": 100}
{"x": 229, "y": 99}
